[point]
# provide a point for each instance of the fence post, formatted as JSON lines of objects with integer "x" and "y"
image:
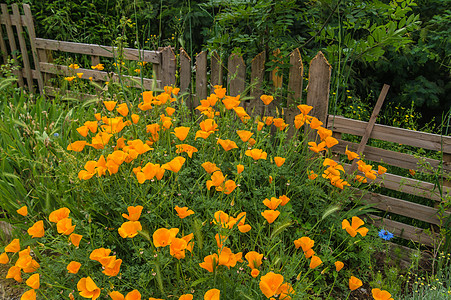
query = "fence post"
{"x": 236, "y": 74}
{"x": 168, "y": 66}
{"x": 201, "y": 77}
{"x": 257, "y": 73}
{"x": 12, "y": 41}
{"x": 216, "y": 69}
{"x": 185, "y": 76}
{"x": 295, "y": 82}
{"x": 318, "y": 87}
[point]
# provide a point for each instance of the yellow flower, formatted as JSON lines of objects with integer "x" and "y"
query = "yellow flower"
{"x": 99, "y": 67}
{"x": 69, "y": 78}
{"x": 79, "y": 75}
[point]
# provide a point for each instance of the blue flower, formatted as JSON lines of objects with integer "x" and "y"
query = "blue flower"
{"x": 56, "y": 134}
{"x": 384, "y": 234}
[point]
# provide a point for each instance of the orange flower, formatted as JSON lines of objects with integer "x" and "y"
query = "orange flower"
{"x": 110, "y": 104}
{"x": 14, "y": 272}
{"x": 266, "y": 99}
{"x": 208, "y": 125}
{"x": 412, "y": 172}
{"x": 217, "y": 178}
{"x": 23, "y": 211}
{"x": 129, "y": 229}
{"x": 73, "y": 267}
{"x": 33, "y": 281}
{"x": 227, "y": 258}
{"x": 354, "y": 228}
{"x": 37, "y": 230}
{"x": 13, "y": 247}
{"x": 312, "y": 175}
{"x": 315, "y": 262}
{"x": 111, "y": 265}
{"x": 244, "y": 135}
{"x": 285, "y": 290}
{"x": 280, "y": 123}
{"x": 354, "y": 283}
{"x": 305, "y": 109}
{"x": 381, "y": 295}
{"x": 284, "y": 200}
{"x": 163, "y": 237}
{"x": 135, "y": 118}
{"x": 220, "y": 91}
{"x": 270, "y": 283}
{"x": 254, "y": 259}
{"x": 181, "y": 132}
{"x": 270, "y": 215}
{"x": 255, "y": 273}
{"x": 210, "y": 262}
{"x": 227, "y": 144}
{"x": 134, "y": 212}
{"x": 315, "y": 123}
{"x": 239, "y": 168}
{"x": 209, "y": 167}
{"x": 339, "y": 265}
{"x": 177, "y": 248}
{"x": 273, "y": 203}
{"x": 174, "y": 165}
{"x": 268, "y": 120}
{"x": 256, "y": 154}
{"x": 88, "y": 288}
{"x": 115, "y": 295}
{"x": 381, "y": 170}
{"x": 4, "y": 258}
{"x": 77, "y": 146}
{"x": 183, "y": 212}
{"x": 306, "y": 244}
{"x": 59, "y": 214}
{"x": 330, "y": 141}
{"x": 65, "y": 226}
{"x": 122, "y": 109}
{"x": 229, "y": 187}
{"x": 98, "y": 254}
{"x": 279, "y": 161}
{"x": 212, "y": 294}
{"x": 170, "y": 111}
{"x": 29, "y": 295}
{"x": 186, "y": 297}
{"x": 317, "y": 147}
{"x": 231, "y": 102}
{"x": 351, "y": 155}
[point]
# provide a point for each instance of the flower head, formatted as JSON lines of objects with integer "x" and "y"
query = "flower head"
{"x": 22, "y": 211}
{"x": 354, "y": 228}
{"x": 354, "y": 283}
{"x": 183, "y": 212}
{"x": 37, "y": 230}
{"x": 87, "y": 288}
{"x": 381, "y": 295}
{"x": 270, "y": 283}
{"x": 386, "y": 235}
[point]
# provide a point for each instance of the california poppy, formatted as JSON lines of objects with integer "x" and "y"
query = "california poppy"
{"x": 33, "y": 281}
{"x": 23, "y": 211}
{"x": 13, "y": 247}
{"x": 29, "y": 295}
{"x": 266, "y": 99}
{"x": 209, "y": 167}
{"x": 315, "y": 262}
{"x": 65, "y": 226}
{"x": 270, "y": 283}
{"x": 354, "y": 283}
{"x": 110, "y": 104}
{"x": 183, "y": 212}
{"x": 256, "y": 154}
{"x": 273, "y": 203}
{"x": 244, "y": 135}
{"x": 354, "y": 228}
{"x": 279, "y": 161}
{"x": 37, "y": 230}
{"x": 4, "y": 258}
{"x": 87, "y": 288}
{"x": 181, "y": 132}
{"x": 339, "y": 265}
{"x": 134, "y": 212}
{"x": 175, "y": 164}
{"x": 270, "y": 215}
{"x": 129, "y": 229}
{"x": 163, "y": 237}
{"x": 77, "y": 146}
{"x": 379, "y": 294}
{"x": 254, "y": 258}
{"x": 212, "y": 294}
{"x": 73, "y": 267}
{"x": 239, "y": 168}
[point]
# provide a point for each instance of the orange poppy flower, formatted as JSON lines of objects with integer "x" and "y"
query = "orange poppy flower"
{"x": 351, "y": 155}
{"x": 220, "y": 91}
{"x": 29, "y": 295}
{"x": 306, "y": 244}
{"x": 273, "y": 203}
{"x": 75, "y": 239}
{"x": 284, "y": 200}
{"x": 88, "y": 288}
{"x": 260, "y": 126}
{"x": 354, "y": 228}
{"x": 254, "y": 259}
{"x": 37, "y": 230}
{"x": 113, "y": 266}
{"x": 285, "y": 291}
{"x": 305, "y": 109}
{"x": 266, "y": 99}
{"x": 220, "y": 240}
{"x": 354, "y": 283}
{"x": 239, "y": 168}
{"x": 83, "y": 130}
{"x": 339, "y": 265}
{"x": 129, "y": 229}
{"x": 115, "y": 295}
{"x": 183, "y": 212}
{"x": 381, "y": 295}
{"x": 181, "y": 132}
{"x": 279, "y": 161}
{"x": 175, "y": 164}
{"x": 381, "y": 170}
{"x": 244, "y": 135}
{"x": 186, "y": 297}
{"x": 208, "y": 125}
{"x": 4, "y": 258}
{"x": 163, "y": 237}
{"x": 270, "y": 215}
{"x": 14, "y": 272}
{"x": 227, "y": 145}
{"x": 65, "y": 226}
{"x": 256, "y": 154}
{"x": 330, "y": 141}
{"x": 227, "y": 258}
{"x": 280, "y": 123}
{"x": 315, "y": 262}
{"x": 135, "y": 118}
{"x": 209, "y": 167}
{"x": 23, "y": 211}
{"x": 317, "y": 147}
{"x": 13, "y": 247}
{"x": 270, "y": 283}
{"x": 217, "y": 178}
{"x": 315, "y": 123}
{"x": 210, "y": 262}
{"x": 134, "y": 212}
{"x": 33, "y": 281}
{"x": 324, "y": 133}
{"x": 212, "y": 294}
{"x": 177, "y": 248}
{"x": 255, "y": 273}
{"x": 110, "y": 104}
{"x": 99, "y": 253}
{"x": 77, "y": 146}
{"x": 229, "y": 187}
{"x": 231, "y": 102}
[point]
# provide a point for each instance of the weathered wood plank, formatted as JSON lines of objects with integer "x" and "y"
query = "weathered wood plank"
{"x": 185, "y": 76}
{"x": 295, "y": 81}
{"x": 201, "y": 77}
{"x": 51, "y": 91}
{"x": 3, "y": 47}
{"x": 32, "y": 36}
{"x": 11, "y": 39}
{"x": 256, "y": 106}
{"x": 404, "y": 231}
{"x": 409, "y": 185}
{"x": 402, "y": 207}
{"x": 392, "y": 134}
{"x": 276, "y": 78}
{"x": 393, "y": 158}
{"x": 319, "y": 86}
{"x": 168, "y": 67}
{"x": 133, "y": 81}
{"x": 92, "y": 49}
{"x": 236, "y": 75}
{"x": 216, "y": 69}
{"x": 23, "y": 49}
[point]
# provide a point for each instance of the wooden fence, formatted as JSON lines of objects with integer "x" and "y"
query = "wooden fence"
{"x": 37, "y": 64}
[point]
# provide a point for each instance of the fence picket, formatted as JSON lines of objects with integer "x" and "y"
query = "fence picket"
{"x": 319, "y": 86}
{"x": 236, "y": 75}
{"x": 185, "y": 76}
{"x": 216, "y": 69}
{"x": 168, "y": 67}
{"x": 11, "y": 40}
{"x": 295, "y": 81}
{"x": 201, "y": 77}
{"x": 257, "y": 73}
